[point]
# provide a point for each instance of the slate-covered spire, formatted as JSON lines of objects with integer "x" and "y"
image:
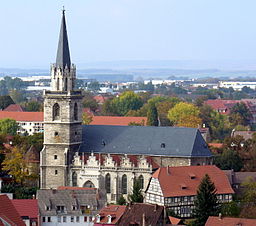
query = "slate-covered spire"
{"x": 63, "y": 55}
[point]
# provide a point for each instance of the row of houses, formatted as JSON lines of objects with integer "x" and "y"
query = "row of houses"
{"x": 170, "y": 188}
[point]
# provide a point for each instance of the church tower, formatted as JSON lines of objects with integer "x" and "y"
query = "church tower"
{"x": 62, "y": 118}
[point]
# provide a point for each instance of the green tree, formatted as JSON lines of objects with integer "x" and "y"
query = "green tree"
{"x": 240, "y": 114}
{"x": 87, "y": 119}
{"x": 125, "y": 102}
{"x": 185, "y": 114}
{"x": 5, "y": 101}
{"x": 33, "y": 106}
{"x": 231, "y": 209}
{"x": 121, "y": 201}
{"x": 94, "y": 86}
{"x": 206, "y": 203}
{"x": 8, "y": 126}
{"x": 228, "y": 160}
{"x": 152, "y": 116}
{"x": 136, "y": 195}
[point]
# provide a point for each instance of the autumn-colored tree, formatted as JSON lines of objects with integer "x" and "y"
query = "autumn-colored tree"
{"x": 185, "y": 114}
{"x": 8, "y": 126}
{"x": 86, "y": 118}
{"x": 89, "y": 101}
{"x": 15, "y": 164}
{"x": 152, "y": 116}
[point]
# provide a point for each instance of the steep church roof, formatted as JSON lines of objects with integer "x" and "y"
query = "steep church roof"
{"x": 144, "y": 140}
{"x": 63, "y": 55}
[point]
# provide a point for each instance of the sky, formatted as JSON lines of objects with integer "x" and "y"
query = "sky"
{"x": 121, "y": 30}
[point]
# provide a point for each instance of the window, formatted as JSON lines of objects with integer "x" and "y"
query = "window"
{"x": 56, "y": 112}
{"x": 66, "y": 84}
{"x": 77, "y": 219}
{"x": 124, "y": 184}
{"x": 74, "y": 179}
{"x": 75, "y": 112}
{"x": 43, "y": 219}
{"x": 162, "y": 145}
{"x": 56, "y": 172}
{"x": 71, "y": 219}
{"x": 108, "y": 183}
{"x": 64, "y": 219}
{"x": 56, "y": 133}
{"x": 85, "y": 219}
{"x": 58, "y": 84}
{"x": 49, "y": 219}
{"x": 141, "y": 181}
{"x": 60, "y": 209}
{"x": 59, "y": 218}
{"x": 55, "y": 156}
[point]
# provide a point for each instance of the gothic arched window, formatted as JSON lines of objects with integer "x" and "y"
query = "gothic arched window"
{"x": 66, "y": 84}
{"x": 75, "y": 112}
{"x": 89, "y": 184}
{"x": 141, "y": 181}
{"x": 108, "y": 183}
{"x": 74, "y": 179}
{"x": 124, "y": 184}
{"x": 56, "y": 112}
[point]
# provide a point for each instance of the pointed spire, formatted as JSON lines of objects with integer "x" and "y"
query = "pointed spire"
{"x": 63, "y": 55}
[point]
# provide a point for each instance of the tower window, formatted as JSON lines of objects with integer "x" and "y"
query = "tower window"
{"x": 75, "y": 112}
{"x": 56, "y": 172}
{"x": 56, "y": 111}
{"x": 55, "y": 156}
{"x": 56, "y": 134}
{"x": 58, "y": 84}
{"x": 66, "y": 84}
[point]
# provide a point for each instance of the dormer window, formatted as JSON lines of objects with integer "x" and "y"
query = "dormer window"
{"x": 192, "y": 176}
{"x": 47, "y": 208}
{"x": 60, "y": 209}
{"x": 162, "y": 145}
{"x": 183, "y": 186}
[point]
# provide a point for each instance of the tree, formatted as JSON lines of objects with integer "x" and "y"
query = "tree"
{"x": 240, "y": 114}
{"x": 8, "y": 126}
{"x": 229, "y": 160}
{"x": 206, "y": 203}
{"x": 89, "y": 101}
{"x": 231, "y": 209}
{"x": 121, "y": 201}
{"x": 87, "y": 118}
{"x": 94, "y": 86}
{"x": 5, "y": 101}
{"x": 15, "y": 164}
{"x": 152, "y": 116}
{"x": 136, "y": 195}
{"x": 185, "y": 114}
{"x": 125, "y": 102}
{"x": 33, "y": 106}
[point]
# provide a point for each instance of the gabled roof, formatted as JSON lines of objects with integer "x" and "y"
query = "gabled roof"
{"x": 115, "y": 211}
{"x": 26, "y": 207}
{"x": 63, "y": 55}
{"x": 8, "y": 212}
{"x": 14, "y": 107}
{"x": 144, "y": 140}
{"x": 117, "y": 121}
{"x": 230, "y": 221}
{"x": 184, "y": 180}
{"x": 23, "y": 116}
{"x": 135, "y": 212}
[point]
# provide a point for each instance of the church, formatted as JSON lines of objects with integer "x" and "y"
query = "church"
{"x": 105, "y": 157}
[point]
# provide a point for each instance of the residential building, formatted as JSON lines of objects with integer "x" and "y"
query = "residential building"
{"x": 28, "y": 210}
{"x": 14, "y": 107}
{"x": 110, "y": 215}
{"x": 229, "y": 221}
{"x": 237, "y": 85}
{"x": 65, "y": 206}
{"x": 8, "y": 214}
{"x": 176, "y": 187}
{"x": 29, "y": 122}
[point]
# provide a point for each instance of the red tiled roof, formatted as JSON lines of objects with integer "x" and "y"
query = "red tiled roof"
{"x": 172, "y": 179}
{"x": 116, "y": 211}
{"x": 14, "y": 107}
{"x": 75, "y": 188}
{"x": 8, "y": 212}
{"x": 222, "y": 105}
{"x": 229, "y": 221}
{"x": 215, "y": 145}
{"x": 174, "y": 220}
{"x": 117, "y": 121}
{"x": 26, "y": 207}
{"x": 23, "y": 116}
{"x": 100, "y": 99}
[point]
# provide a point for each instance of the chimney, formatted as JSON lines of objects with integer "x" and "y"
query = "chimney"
{"x": 143, "y": 220}
{"x": 168, "y": 171}
{"x": 33, "y": 196}
{"x": 109, "y": 219}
